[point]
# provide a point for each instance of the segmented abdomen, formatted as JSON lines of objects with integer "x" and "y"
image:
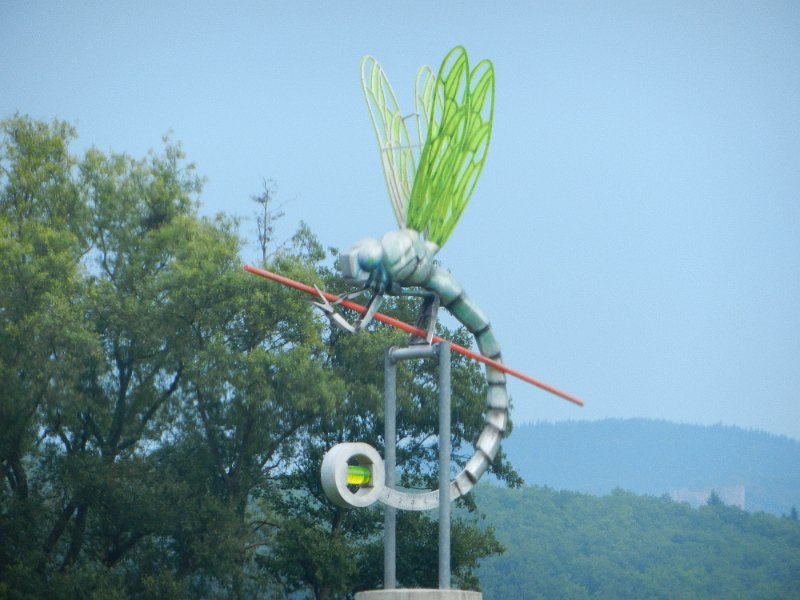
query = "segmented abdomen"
{"x": 458, "y": 304}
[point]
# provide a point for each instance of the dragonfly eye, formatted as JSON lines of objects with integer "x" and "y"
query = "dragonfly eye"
{"x": 370, "y": 254}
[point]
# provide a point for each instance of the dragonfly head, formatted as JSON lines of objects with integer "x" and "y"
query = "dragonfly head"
{"x": 363, "y": 263}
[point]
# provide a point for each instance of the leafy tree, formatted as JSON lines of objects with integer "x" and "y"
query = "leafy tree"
{"x": 163, "y": 414}
{"x": 43, "y": 341}
{"x": 150, "y": 387}
{"x": 566, "y": 544}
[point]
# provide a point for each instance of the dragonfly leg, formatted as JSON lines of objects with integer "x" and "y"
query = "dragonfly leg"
{"x": 426, "y": 319}
{"x": 347, "y": 295}
{"x": 372, "y": 307}
{"x": 337, "y": 320}
{"x": 329, "y": 311}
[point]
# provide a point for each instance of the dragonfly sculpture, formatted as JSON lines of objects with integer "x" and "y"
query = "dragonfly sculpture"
{"x": 430, "y": 178}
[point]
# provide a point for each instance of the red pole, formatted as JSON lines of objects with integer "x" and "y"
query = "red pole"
{"x": 412, "y": 330}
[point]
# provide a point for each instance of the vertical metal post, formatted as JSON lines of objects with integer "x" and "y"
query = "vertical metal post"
{"x": 390, "y": 441}
{"x": 444, "y": 465}
{"x": 391, "y": 358}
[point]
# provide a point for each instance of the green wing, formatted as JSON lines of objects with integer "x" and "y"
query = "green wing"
{"x": 459, "y": 128}
{"x": 398, "y": 152}
{"x": 424, "y": 87}
{"x": 397, "y": 157}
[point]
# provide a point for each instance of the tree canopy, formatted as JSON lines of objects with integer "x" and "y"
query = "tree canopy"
{"x": 163, "y": 414}
{"x": 563, "y": 544}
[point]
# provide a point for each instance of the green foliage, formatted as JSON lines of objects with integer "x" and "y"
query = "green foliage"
{"x": 570, "y": 545}
{"x": 149, "y": 386}
{"x": 163, "y": 414}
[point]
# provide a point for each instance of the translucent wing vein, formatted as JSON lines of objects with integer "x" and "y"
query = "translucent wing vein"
{"x": 396, "y": 152}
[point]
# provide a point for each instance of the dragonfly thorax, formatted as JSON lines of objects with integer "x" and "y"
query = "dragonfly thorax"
{"x": 399, "y": 259}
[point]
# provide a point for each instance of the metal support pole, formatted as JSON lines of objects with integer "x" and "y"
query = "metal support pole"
{"x": 413, "y": 352}
{"x": 391, "y": 358}
{"x": 394, "y": 355}
{"x": 444, "y": 465}
{"x": 390, "y": 440}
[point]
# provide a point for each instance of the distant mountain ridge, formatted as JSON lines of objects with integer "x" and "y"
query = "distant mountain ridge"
{"x": 754, "y": 470}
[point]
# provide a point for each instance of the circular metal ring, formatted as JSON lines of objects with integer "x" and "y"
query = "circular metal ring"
{"x": 334, "y": 474}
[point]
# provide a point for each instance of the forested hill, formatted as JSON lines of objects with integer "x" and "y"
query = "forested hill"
{"x": 571, "y": 545}
{"x": 750, "y": 469}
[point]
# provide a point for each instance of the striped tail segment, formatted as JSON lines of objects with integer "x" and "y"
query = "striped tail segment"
{"x": 458, "y": 304}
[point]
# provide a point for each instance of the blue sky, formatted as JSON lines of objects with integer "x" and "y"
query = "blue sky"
{"x": 635, "y": 233}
